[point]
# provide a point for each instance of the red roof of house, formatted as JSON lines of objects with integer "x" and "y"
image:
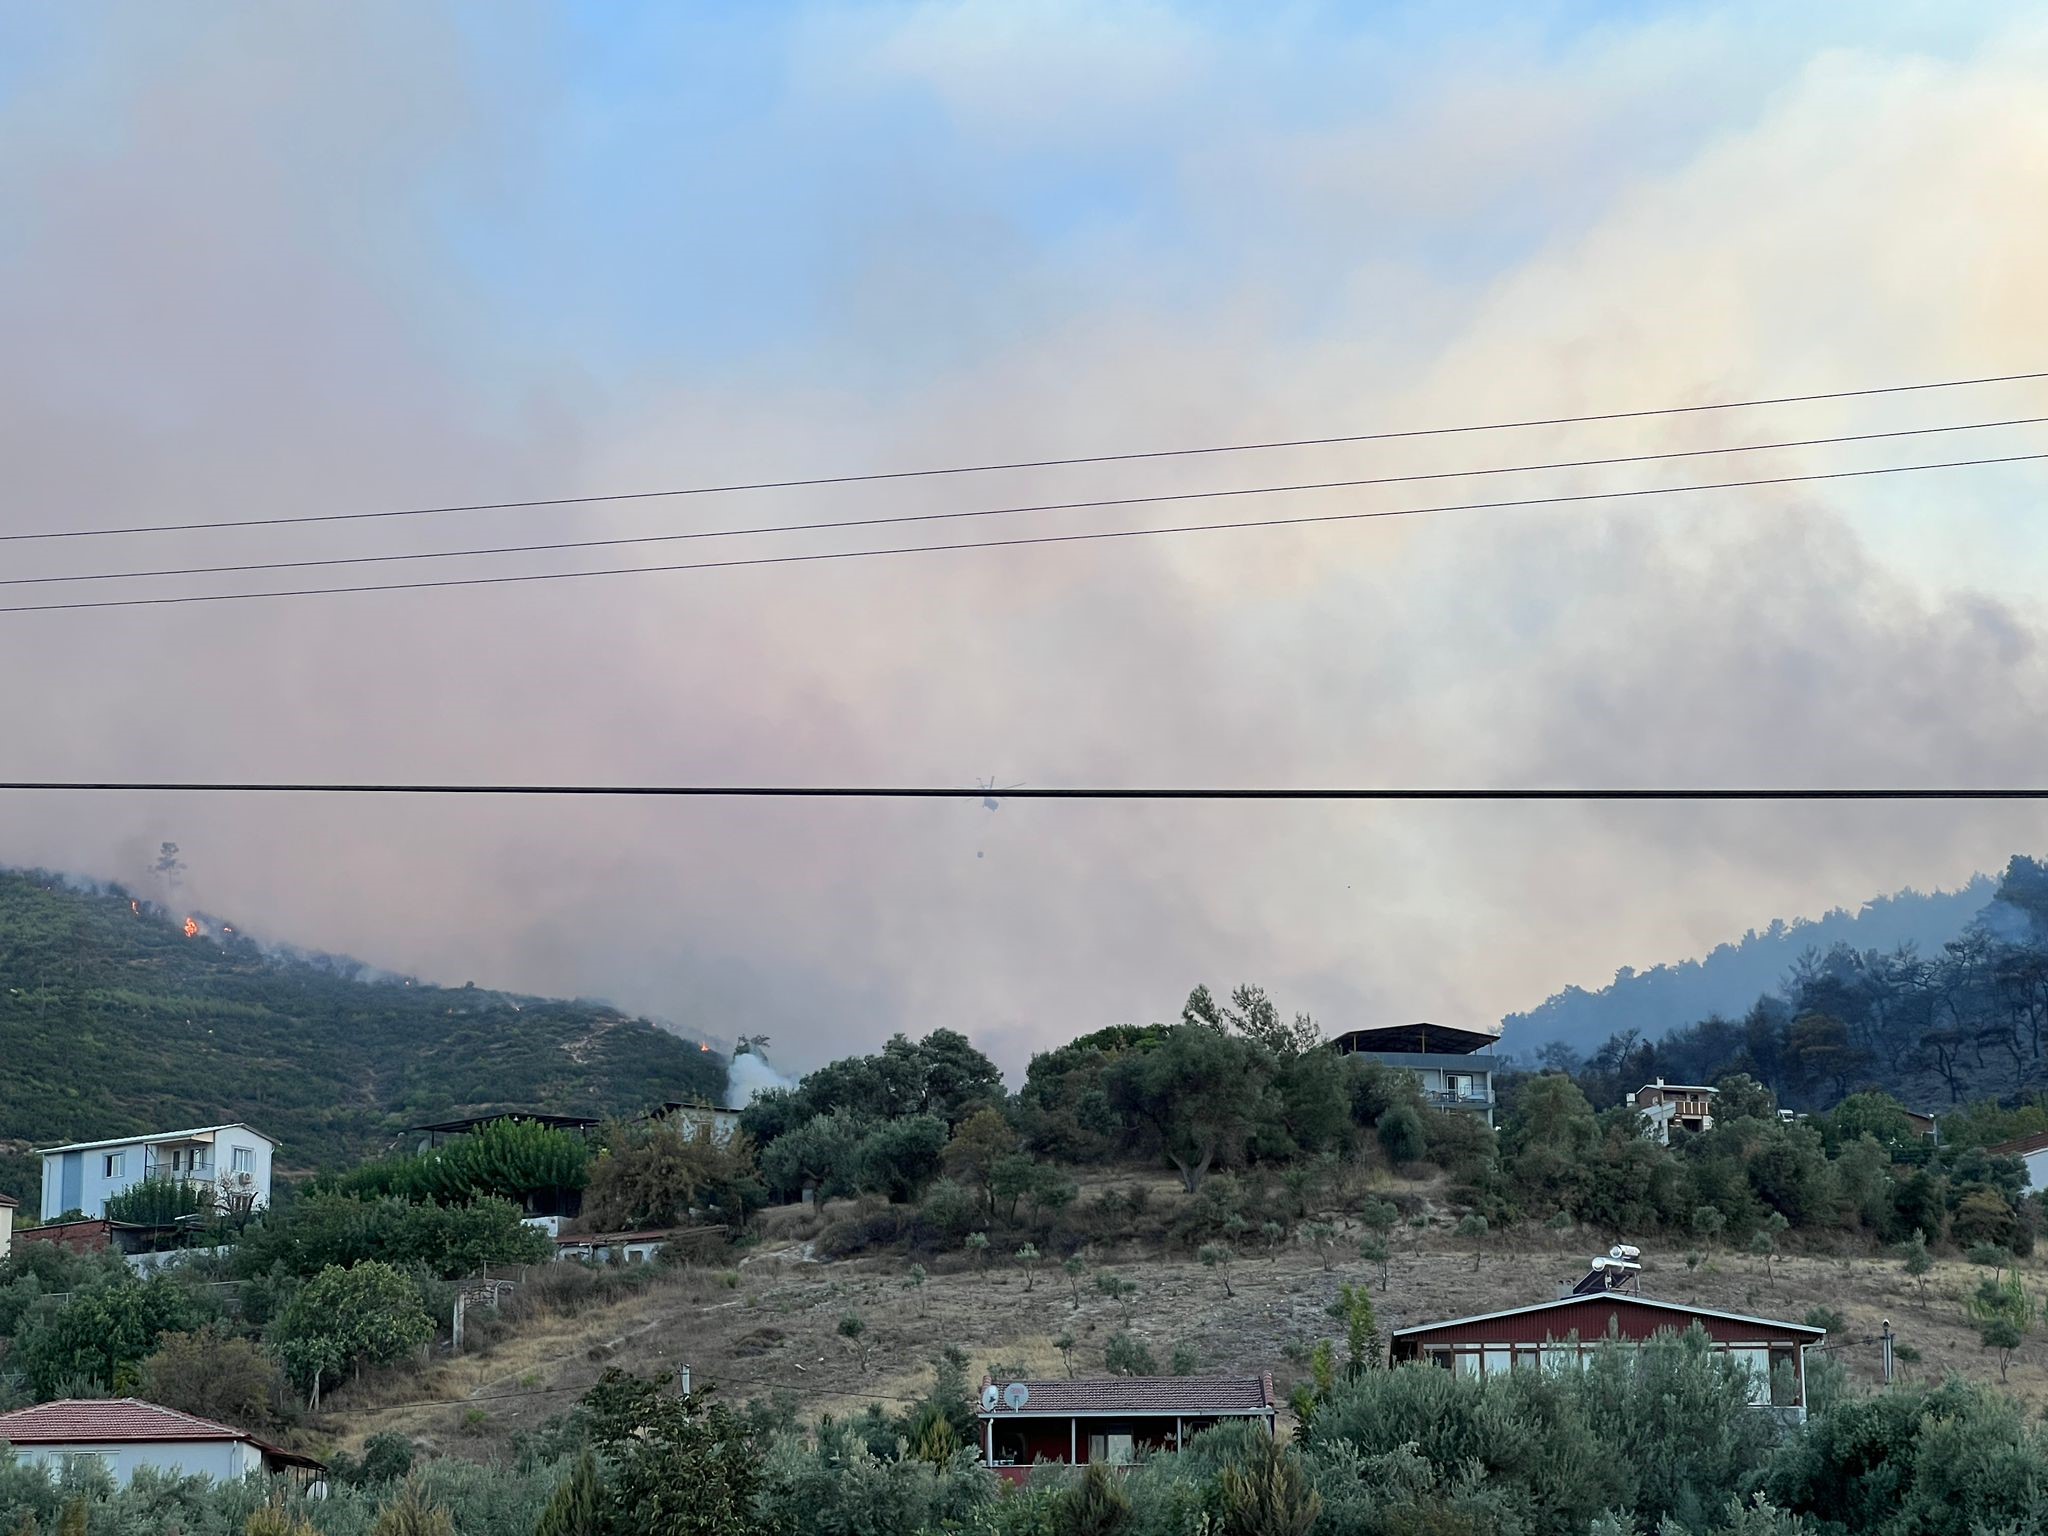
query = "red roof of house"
{"x": 2020, "y": 1146}
{"x": 1189, "y": 1396}
{"x": 121, "y": 1421}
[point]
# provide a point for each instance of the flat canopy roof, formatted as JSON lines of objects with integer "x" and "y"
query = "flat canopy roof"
{"x": 471, "y": 1122}
{"x": 1417, "y": 1039}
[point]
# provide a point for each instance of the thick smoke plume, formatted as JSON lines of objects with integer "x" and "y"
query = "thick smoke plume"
{"x": 749, "y": 1076}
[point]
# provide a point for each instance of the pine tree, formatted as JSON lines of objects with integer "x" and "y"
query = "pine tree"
{"x": 1096, "y": 1506}
{"x": 577, "y": 1506}
{"x": 1268, "y": 1496}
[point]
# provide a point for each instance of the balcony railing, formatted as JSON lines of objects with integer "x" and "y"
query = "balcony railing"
{"x": 203, "y": 1174}
{"x": 1444, "y": 1099}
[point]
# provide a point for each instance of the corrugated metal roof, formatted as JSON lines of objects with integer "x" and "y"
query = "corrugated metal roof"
{"x": 1609, "y": 1297}
{"x": 152, "y": 1137}
{"x": 1185, "y": 1396}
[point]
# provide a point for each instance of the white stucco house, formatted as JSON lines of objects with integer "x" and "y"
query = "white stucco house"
{"x": 2032, "y": 1151}
{"x": 123, "y": 1434}
{"x": 231, "y": 1161}
{"x": 7, "y": 1205}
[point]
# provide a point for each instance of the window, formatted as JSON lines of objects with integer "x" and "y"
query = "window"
{"x": 82, "y": 1463}
{"x": 1560, "y": 1357}
{"x": 1499, "y": 1359}
{"x": 1465, "y": 1362}
{"x": 1756, "y": 1359}
{"x": 117, "y": 1165}
{"x": 245, "y": 1160}
{"x": 1114, "y": 1449}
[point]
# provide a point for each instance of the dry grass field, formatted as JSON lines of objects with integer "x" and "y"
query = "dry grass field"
{"x": 769, "y": 1324}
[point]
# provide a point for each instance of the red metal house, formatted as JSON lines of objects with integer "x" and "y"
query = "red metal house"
{"x": 1553, "y": 1334}
{"x": 1109, "y": 1419}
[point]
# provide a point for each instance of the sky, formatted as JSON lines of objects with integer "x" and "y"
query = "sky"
{"x": 267, "y": 260}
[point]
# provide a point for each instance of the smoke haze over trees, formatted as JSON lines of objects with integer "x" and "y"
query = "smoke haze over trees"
{"x": 1732, "y": 976}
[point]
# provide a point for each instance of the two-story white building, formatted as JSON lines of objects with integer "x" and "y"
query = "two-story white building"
{"x": 230, "y": 1162}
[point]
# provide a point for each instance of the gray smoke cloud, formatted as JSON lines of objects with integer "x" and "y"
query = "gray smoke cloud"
{"x": 237, "y": 295}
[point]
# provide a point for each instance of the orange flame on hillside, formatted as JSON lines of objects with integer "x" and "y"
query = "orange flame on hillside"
{"x": 191, "y": 927}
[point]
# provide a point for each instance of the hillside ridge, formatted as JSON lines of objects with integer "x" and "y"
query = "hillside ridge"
{"x": 119, "y": 1016}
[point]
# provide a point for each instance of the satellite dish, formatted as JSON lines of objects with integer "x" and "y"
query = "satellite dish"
{"x": 989, "y": 1398}
{"x": 1016, "y": 1395}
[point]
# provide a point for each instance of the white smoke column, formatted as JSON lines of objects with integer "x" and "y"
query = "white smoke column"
{"x": 750, "y": 1075}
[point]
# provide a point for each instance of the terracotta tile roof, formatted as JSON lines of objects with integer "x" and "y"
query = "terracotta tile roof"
{"x": 1193, "y": 1396}
{"x": 2021, "y": 1146}
{"x": 108, "y": 1420}
{"x": 123, "y": 1421}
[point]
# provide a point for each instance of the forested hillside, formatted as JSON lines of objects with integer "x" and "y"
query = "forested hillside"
{"x": 1732, "y": 976}
{"x": 114, "y": 1020}
{"x": 1965, "y": 1020}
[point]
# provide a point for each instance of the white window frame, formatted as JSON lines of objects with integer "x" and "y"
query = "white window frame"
{"x": 243, "y": 1159}
{"x": 113, "y": 1165}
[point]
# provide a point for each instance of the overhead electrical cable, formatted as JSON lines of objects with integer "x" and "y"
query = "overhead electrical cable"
{"x": 1298, "y": 487}
{"x": 1092, "y": 792}
{"x": 1089, "y": 536}
{"x": 870, "y": 477}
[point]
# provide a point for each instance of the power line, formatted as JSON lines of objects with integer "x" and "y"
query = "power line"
{"x": 1021, "y": 542}
{"x": 981, "y": 512}
{"x": 1021, "y": 464}
{"x": 978, "y": 792}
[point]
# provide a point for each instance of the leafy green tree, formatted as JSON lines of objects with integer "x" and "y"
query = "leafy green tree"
{"x": 344, "y": 1319}
{"x": 679, "y": 1466}
{"x": 1027, "y": 1259}
{"x": 915, "y": 1277}
{"x": 1374, "y": 1251}
{"x": 657, "y": 1175}
{"x": 518, "y": 1160}
{"x": 1916, "y": 1260}
{"x": 1118, "y": 1290}
{"x": 215, "y": 1375}
{"x": 100, "y": 1335}
{"x": 1219, "y": 1256}
{"x": 978, "y": 1153}
{"x": 854, "y": 1330}
{"x": 1125, "y": 1355}
{"x": 898, "y": 1159}
{"x": 1401, "y": 1136}
{"x": 1074, "y": 1267}
{"x": 1353, "y": 1307}
{"x": 1195, "y": 1096}
{"x": 1473, "y": 1225}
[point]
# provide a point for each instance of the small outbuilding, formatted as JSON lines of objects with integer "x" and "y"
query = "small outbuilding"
{"x": 1109, "y": 1419}
{"x": 125, "y": 1434}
